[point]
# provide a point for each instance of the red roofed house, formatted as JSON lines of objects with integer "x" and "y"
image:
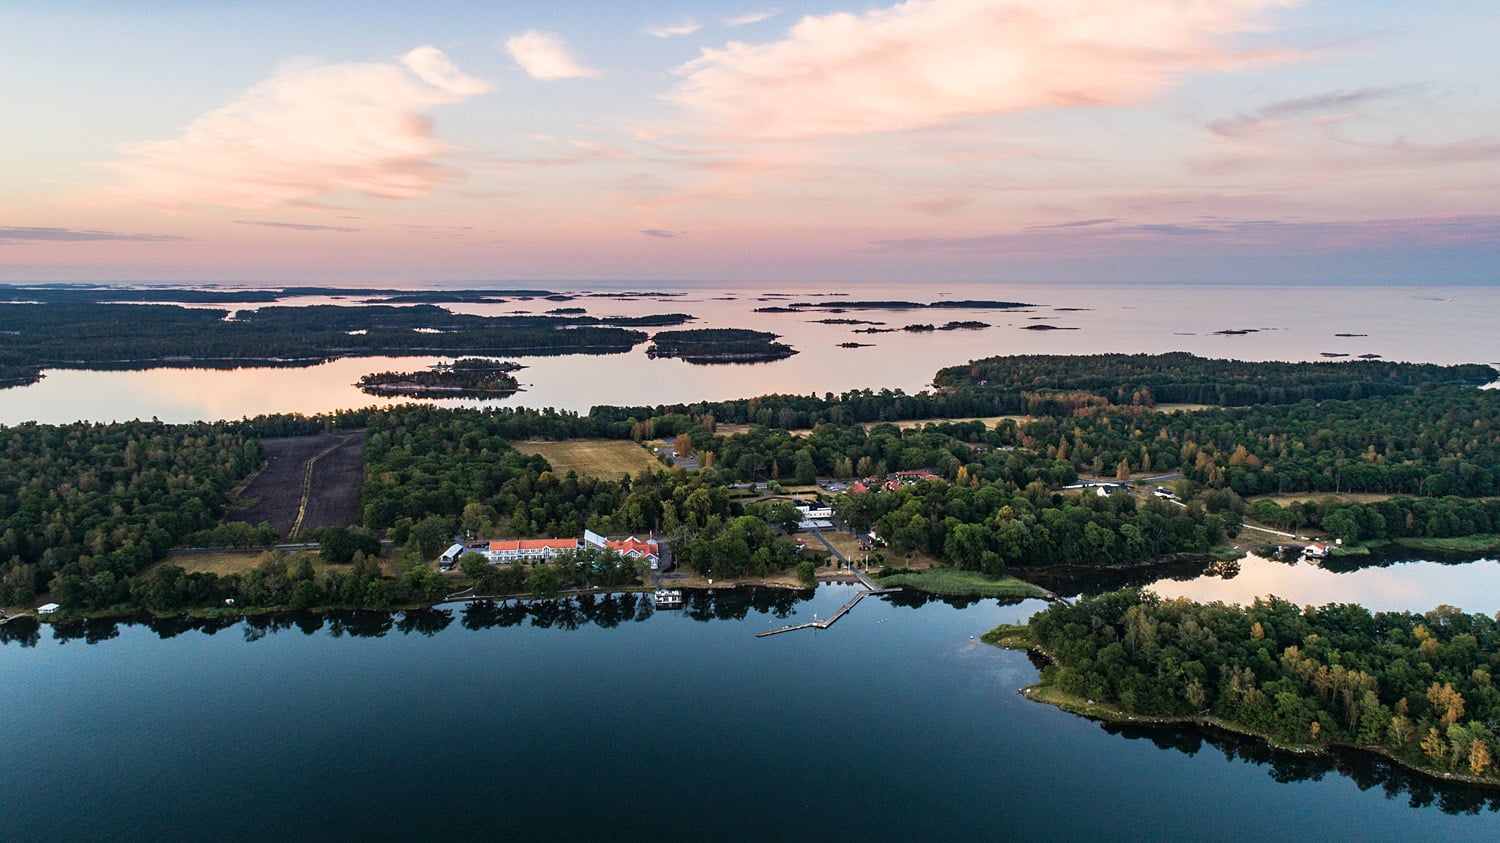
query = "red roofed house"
{"x": 634, "y": 548}
{"x": 529, "y": 550}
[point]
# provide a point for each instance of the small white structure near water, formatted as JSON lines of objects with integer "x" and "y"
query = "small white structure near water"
{"x": 450, "y": 556}
{"x": 48, "y": 609}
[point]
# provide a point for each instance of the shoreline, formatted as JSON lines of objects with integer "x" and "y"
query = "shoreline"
{"x": 1048, "y": 694}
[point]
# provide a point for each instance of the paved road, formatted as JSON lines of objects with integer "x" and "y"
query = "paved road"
{"x": 831, "y": 548}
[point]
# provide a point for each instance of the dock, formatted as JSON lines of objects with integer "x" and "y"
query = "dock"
{"x": 870, "y": 588}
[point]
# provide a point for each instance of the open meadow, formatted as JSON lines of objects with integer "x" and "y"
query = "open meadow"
{"x": 605, "y": 458}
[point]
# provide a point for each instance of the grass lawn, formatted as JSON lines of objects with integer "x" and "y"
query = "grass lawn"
{"x": 603, "y": 458}
{"x": 224, "y": 562}
{"x": 1305, "y": 497}
{"x": 1182, "y": 408}
{"x": 967, "y": 583}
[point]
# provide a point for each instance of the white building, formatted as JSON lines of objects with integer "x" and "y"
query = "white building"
{"x": 527, "y": 550}
{"x": 450, "y": 556}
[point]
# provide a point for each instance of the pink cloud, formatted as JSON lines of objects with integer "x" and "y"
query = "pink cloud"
{"x": 927, "y": 62}
{"x": 543, "y": 56}
{"x": 309, "y": 131}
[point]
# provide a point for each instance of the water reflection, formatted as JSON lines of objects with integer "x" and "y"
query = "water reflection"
{"x": 1367, "y": 770}
{"x": 605, "y": 611}
{"x": 1379, "y": 583}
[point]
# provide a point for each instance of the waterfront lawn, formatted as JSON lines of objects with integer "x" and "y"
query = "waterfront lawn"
{"x": 602, "y": 458}
{"x": 966, "y": 583}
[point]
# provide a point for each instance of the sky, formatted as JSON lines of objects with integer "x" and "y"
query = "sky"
{"x": 1020, "y": 141}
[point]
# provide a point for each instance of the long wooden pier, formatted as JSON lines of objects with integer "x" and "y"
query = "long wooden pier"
{"x": 870, "y": 588}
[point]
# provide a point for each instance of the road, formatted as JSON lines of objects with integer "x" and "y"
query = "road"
{"x": 831, "y": 548}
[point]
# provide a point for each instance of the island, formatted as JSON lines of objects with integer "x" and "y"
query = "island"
{"x": 463, "y": 378}
{"x": 719, "y": 345}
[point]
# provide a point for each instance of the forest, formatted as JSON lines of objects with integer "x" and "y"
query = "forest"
{"x": 1144, "y": 379}
{"x": 1418, "y": 687}
{"x": 86, "y": 508}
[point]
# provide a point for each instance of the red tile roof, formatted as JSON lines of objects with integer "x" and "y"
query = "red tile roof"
{"x": 534, "y": 544}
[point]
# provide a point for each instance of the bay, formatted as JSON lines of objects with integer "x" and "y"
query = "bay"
{"x": 895, "y": 724}
{"x": 1388, "y": 581}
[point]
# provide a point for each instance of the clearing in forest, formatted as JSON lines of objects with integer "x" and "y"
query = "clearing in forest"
{"x": 308, "y": 482}
{"x": 604, "y": 458}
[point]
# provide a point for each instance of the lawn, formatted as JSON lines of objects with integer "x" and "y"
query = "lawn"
{"x": 224, "y": 562}
{"x": 967, "y": 583}
{"x": 604, "y": 458}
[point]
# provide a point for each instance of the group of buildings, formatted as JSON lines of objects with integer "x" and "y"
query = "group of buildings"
{"x": 506, "y": 551}
{"x": 894, "y": 481}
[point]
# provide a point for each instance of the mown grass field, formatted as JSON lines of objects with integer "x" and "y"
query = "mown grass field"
{"x": 967, "y": 583}
{"x": 1318, "y": 497}
{"x": 604, "y": 458}
{"x": 224, "y": 562}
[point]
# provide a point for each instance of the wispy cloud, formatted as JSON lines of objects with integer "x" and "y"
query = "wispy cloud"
{"x": 1336, "y": 103}
{"x": 1216, "y": 233}
{"x": 1072, "y": 224}
{"x": 296, "y": 226}
{"x": 674, "y": 30}
{"x": 928, "y": 62}
{"x": 10, "y": 235}
{"x": 309, "y": 131}
{"x": 543, "y": 56}
{"x": 752, "y": 17}
{"x": 661, "y": 233}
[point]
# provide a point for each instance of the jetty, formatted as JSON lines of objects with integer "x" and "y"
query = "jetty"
{"x": 870, "y": 588}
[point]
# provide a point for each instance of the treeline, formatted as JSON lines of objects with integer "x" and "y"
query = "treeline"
{"x": 84, "y": 507}
{"x": 1396, "y": 518}
{"x": 1416, "y": 686}
{"x": 1443, "y": 442}
{"x": 282, "y": 582}
{"x": 1144, "y": 379}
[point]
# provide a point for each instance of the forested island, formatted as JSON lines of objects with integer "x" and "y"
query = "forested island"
{"x": 463, "y": 378}
{"x": 1417, "y": 688}
{"x": 138, "y": 336}
{"x": 719, "y": 345}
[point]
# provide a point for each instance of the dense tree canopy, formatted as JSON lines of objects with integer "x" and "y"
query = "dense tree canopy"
{"x": 1418, "y": 686}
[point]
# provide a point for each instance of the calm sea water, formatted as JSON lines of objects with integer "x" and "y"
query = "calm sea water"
{"x": 893, "y": 725}
{"x": 1424, "y": 324}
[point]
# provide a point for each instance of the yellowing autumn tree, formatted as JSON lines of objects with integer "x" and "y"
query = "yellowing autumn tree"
{"x": 1448, "y": 703}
